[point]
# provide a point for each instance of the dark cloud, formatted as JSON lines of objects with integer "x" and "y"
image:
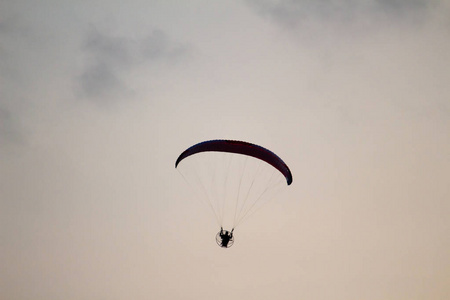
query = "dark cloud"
{"x": 346, "y": 13}
{"x": 114, "y": 51}
{"x": 99, "y": 78}
{"x": 110, "y": 58}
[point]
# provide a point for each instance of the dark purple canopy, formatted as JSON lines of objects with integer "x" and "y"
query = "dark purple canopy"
{"x": 239, "y": 147}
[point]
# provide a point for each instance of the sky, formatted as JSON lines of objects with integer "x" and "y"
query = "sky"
{"x": 98, "y": 99}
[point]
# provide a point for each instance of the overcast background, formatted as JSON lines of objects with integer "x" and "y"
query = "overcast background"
{"x": 98, "y": 98}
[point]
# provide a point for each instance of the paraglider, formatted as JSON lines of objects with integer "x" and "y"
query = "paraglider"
{"x": 234, "y": 178}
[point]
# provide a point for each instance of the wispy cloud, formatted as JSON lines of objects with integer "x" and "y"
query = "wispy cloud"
{"x": 313, "y": 15}
{"x": 9, "y": 129}
{"x": 10, "y": 78}
{"x": 109, "y": 59}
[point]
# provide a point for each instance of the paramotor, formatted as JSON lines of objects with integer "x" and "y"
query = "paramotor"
{"x": 234, "y": 178}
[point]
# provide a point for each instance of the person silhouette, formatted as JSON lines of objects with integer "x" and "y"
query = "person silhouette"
{"x": 226, "y": 236}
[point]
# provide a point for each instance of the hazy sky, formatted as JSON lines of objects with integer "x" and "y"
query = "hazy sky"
{"x": 98, "y": 98}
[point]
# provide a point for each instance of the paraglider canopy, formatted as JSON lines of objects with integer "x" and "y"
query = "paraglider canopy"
{"x": 239, "y": 147}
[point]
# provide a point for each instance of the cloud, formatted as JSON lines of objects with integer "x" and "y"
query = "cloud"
{"x": 332, "y": 15}
{"x": 99, "y": 78}
{"x": 8, "y": 128}
{"x": 109, "y": 59}
{"x": 376, "y": 59}
{"x": 10, "y": 131}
